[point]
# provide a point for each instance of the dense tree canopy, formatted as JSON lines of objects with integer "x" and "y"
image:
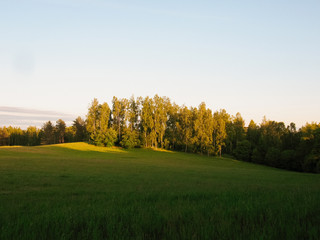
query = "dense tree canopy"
{"x": 159, "y": 123}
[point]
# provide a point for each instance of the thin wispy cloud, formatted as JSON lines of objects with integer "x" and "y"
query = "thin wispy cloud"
{"x": 20, "y": 110}
{"x": 24, "y": 117}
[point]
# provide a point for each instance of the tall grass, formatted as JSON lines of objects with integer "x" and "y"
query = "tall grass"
{"x": 79, "y": 191}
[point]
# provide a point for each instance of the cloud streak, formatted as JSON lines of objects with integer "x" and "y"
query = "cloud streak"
{"x": 20, "y": 110}
{"x": 24, "y": 117}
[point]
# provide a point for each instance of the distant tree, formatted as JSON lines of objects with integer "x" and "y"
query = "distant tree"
{"x": 311, "y": 136}
{"x": 119, "y": 115}
{"x": 290, "y": 140}
{"x": 239, "y": 123}
{"x": 253, "y": 133}
{"x": 130, "y": 139}
{"x": 106, "y": 136}
{"x": 311, "y": 163}
{"x": 17, "y": 136}
{"x": 184, "y": 126}
{"x": 171, "y": 134}
{"x": 93, "y": 119}
{"x": 133, "y": 114}
{"x": 287, "y": 159}
{"x": 70, "y": 135}
{"x": 204, "y": 128}
{"x": 257, "y": 156}
{"x": 243, "y": 150}
{"x": 60, "y": 130}
{"x": 271, "y": 134}
{"x": 230, "y": 141}
{"x": 79, "y": 128}
{"x": 235, "y": 132}
{"x": 4, "y": 136}
{"x": 110, "y": 137}
{"x": 147, "y": 122}
{"x": 104, "y": 117}
{"x": 98, "y": 125}
{"x": 160, "y": 120}
{"x": 219, "y": 129}
{"x": 48, "y": 133}
{"x": 33, "y": 136}
{"x": 272, "y": 157}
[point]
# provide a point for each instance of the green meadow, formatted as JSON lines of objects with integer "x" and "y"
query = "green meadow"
{"x": 80, "y": 191}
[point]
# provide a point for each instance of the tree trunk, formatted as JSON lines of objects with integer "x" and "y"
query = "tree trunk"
{"x": 145, "y": 138}
{"x": 119, "y": 131}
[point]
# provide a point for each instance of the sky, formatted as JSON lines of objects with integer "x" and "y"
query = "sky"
{"x": 259, "y": 58}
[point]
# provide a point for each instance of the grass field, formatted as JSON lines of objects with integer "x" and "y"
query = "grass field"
{"x": 79, "y": 191}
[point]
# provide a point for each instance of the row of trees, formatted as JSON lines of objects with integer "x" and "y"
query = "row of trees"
{"x": 50, "y": 133}
{"x": 157, "y": 122}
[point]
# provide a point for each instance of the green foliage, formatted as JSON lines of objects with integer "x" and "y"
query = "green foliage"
{"x": 4, "y": 136}
{"x": 60, "y": 130}
{"x": 203, "y": 127}
{"x": 119, "y": 115}
{"x": 130, "y": 139}
{"x": 93, "y": 118}
{"x": 173, "y": 135}
{"x": 33, "y": 136}
{"x": 257, "y": 156}
{"x": 273, "y": 157}
{"x": 79, "y": 128}
{"x": 287, "y": 157}
{"x": 106, "y": 138}
{"x": 243, "y": 150}
{"x": 110, "y": 138}
{"x": 160, "y": 119}
{"x": 220, "y": 120}
{"x": 253, "y": 133}
{"x": 133, "y": 113}
{"x": 70, "y": 135}
{"x": 235, "y": 132}
{"x": 184, "y": 127}
{"x": 311, "y": 163}
{"x": 147, "y": 122}
{"x": 48, "y": 136}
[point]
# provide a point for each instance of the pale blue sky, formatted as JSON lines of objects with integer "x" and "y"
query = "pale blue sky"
{"x": 253, "y": 57}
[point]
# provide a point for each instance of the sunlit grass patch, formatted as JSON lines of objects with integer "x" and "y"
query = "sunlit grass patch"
{"x": 7, "y": 147}
{"x": 81, "y": 146}
{"x": 27, "y": 149}
{"x": 162, "y": 150}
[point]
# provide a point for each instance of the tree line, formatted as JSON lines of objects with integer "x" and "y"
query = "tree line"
{"x": 50, "y": 133}
{"x": 159, "y": 123}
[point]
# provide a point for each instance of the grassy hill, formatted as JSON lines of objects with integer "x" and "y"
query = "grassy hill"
{"x": 79, "y": 191}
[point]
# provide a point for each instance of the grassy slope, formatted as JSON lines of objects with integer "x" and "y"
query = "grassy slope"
{"x": 81, "y": 191}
